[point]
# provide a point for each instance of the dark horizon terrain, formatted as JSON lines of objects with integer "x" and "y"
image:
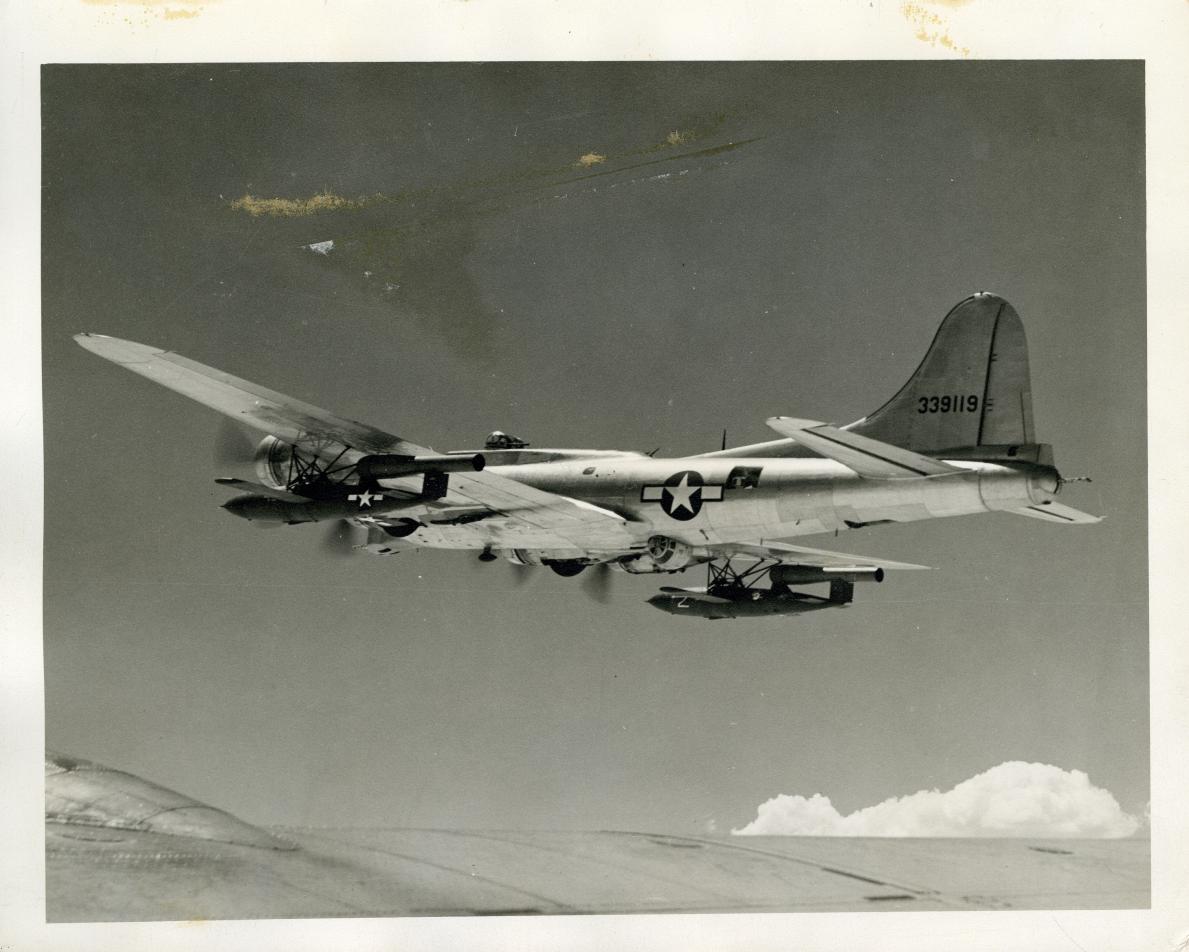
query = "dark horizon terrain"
{"x": 119, "y": 847}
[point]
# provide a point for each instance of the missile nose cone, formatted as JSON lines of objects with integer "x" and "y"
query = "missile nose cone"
{"x": 239, "y": 506}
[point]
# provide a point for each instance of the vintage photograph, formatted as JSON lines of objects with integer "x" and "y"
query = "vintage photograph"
{"x": 553, "y": 488}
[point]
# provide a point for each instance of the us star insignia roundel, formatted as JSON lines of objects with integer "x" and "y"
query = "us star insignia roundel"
{"x": 682, "y": 494}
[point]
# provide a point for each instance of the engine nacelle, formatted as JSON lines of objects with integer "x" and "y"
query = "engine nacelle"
{"x": 273, "y": 462}
{"x": 566, "y": 563}
{"x": 523, "y": 556}
{"x": 664, "y": 554}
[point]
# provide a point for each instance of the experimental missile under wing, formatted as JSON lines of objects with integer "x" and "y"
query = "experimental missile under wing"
{"x": 742, "y": 601}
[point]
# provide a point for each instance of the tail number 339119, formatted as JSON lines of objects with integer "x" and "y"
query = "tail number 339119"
{"x": 950, "y": 403}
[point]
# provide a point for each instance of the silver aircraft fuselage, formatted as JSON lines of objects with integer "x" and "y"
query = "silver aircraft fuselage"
{"x": 703, "y": 501}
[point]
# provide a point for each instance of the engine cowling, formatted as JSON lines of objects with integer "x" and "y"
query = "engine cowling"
{"x": 523, "y": 556}
{"x": 567, "y": 567}
{"x": 273, "y": 462}
{"x": 664, "y": 554}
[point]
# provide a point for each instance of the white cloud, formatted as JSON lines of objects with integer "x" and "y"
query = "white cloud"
{"x": 1013, "y": 799}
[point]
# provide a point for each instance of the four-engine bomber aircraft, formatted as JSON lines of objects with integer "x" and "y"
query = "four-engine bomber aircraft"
{"x": 957, "y": 439}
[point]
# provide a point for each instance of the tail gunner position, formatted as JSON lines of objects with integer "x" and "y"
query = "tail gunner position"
{"x": 957, "y": 439}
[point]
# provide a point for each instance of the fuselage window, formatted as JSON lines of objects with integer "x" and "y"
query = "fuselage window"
{"x": 589, "y": 471}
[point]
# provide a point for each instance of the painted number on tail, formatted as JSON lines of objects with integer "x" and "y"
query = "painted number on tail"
{"x": 950, "y": 403}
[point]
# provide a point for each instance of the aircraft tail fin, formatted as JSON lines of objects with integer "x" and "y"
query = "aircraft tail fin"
{"x": 972, "y": 390}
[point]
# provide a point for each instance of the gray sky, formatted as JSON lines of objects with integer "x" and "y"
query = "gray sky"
{"x": 692, "y": 288}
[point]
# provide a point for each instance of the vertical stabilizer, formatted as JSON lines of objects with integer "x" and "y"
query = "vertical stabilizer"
{"x": 972, "y": 389}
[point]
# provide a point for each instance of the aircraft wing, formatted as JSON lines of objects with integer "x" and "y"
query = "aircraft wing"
{"x": 867, "y": 457}
{"x": 543, "y": 518}
{"x": 803, "y": 555}
{"x": 246, "y": 402}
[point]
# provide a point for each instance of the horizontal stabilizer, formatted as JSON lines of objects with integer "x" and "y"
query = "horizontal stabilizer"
{"x": 867, "y": 457}
{"x": 803, "y": 555}
{"x": 1055, "y": 512}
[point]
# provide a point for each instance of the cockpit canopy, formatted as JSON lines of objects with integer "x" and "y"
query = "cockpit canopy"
{"x": 499, "y": 440}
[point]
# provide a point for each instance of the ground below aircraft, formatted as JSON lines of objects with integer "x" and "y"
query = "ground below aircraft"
{"x": 957, "y": 439}
{"x": 120, "y": 847}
